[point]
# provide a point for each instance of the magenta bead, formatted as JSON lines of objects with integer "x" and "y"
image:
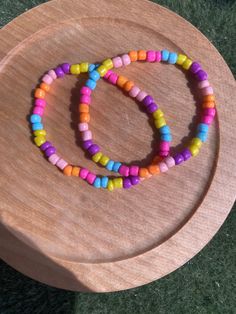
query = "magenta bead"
{"x": 40, "y": 102}
{"x": 158, "y": 56}
{"x": 133, "y": 170}
{"x": 209, "y": 112}
{"x": 85, "y": 91}
{"x": 207, "y": 119}
{"x": 85, "y": 99}
{"x": 124, "y": 170}
{"x": 38, "y": 110}
{"x": 127, "y": 183}
{"x": 151, "y": 56}
{"x": 113, "y": 78}
{"x": 164, "y": 146}
{"x": 91, "y": 177}
{"x": 107, "y": 75}
{"x": 163, "y": 153}
{"x": 83, "y": 173}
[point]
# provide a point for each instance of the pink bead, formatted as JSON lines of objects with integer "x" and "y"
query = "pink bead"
{"x": 124, "y": 170}
{"x": 40, "y": 102}
{"x": 134, "y": 170}
{"x": 83, "y": 173}
{"x": 38, "y": 110}
{"x": 117, "y": 62}
{"x": 52, "y": 73}
{"x": 47, "y": 79}
{"x": 158, "y": 56}
{"x": 209, "y": 112}
{"x": 141, "y": 96}
{"x": 90, "y": 177}
{"x": 85, "y": 99}
{"x": 106, "y": 76}
{"x": 163, "y": 153}
{"x": 203, "y": 84}
{"x": 113, "y": 78}
{"x": 134, "y": 91}
{"x": 53, "y": 159}
{"x": 61, "y": 164}
{"x": 83, "y": 126}
{"x": 85, "y": 91}
{"x": 164, "y": 146}
{"x": 163, "y": 166}
{"x": 86, "y": 135}
{"x": 207, "y": 91}
{"x": 170, "y": 162}
{"x": 151, "y": 56}
{"x": 125, "y": 59}
{"x": 207, "y": 119}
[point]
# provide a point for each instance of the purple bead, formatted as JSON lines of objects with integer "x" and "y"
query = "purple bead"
{"x": 134, "y": 180}
{"x": 45, "y": 145}
{"x": 49, "y": 151}
{"x": 147, "y": 100}
{"x": 201, "y": 75}
{"x": 152, "y": 108}
{"x": 66, "y": 67}
{"x": 195, "y": 67}
{"x": 127, "y": 183}
{"x": 179, "y": 158}
{"x": 186, "y": 153}
{"x": 93, "y": 149}
{"x": 87, "y": 144}
{"x": 59, "y": 72}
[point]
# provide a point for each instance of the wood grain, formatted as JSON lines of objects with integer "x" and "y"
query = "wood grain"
{"x": 61, "y": 231}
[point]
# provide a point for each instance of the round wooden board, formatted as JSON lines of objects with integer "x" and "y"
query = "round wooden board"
{"x": 61, "y": 231}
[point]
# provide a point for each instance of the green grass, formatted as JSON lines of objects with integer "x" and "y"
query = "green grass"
{"x": 206, "y": 284}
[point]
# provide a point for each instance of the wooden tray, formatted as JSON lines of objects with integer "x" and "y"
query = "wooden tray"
{"x": 61, "y": 231}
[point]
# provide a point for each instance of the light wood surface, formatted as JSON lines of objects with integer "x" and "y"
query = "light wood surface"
{"x": 63, "y": 232}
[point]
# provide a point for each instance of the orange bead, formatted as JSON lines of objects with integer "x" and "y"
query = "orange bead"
{"x": 157, "y": 159}
{"x": 83, "y": 108}
{"x": 75, "y": 171}
{"x": 45, "y": 87}
{"x": 209, "y": 98}
{"x": 133, "y": 55}
{"x": 142, "y": 55}
{"x": 84, "y": 117}
{"x": 39, "y": 93}
{"x": 121, "y": 81}
{"x": 208, "y": 104}
{"x": 67, "y": 170}
{"x": 154, "y": 169}
{"x": 144, "y": 173}
{"x": 128, "y": 85}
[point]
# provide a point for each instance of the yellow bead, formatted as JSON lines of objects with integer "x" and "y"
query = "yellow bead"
{"x": 75, "y": 69}
{"x": 181, "y": 59}
{"x": 84, "y": 67}
{"x": 193, "y": 149}
{"x": 158, "y": 114}
{"x": 118, "y": 183}
{"x": 102, "y": 70}
{"x": 197, "y": 142}
{"x": 40, "y": 132}
{"x": 160, "y": 122}
{"x": 108, "y": 64}
{"x": 110, "y": 185}
{"x": 97, "y": 157}
{"x": 39, "y": 140}
{"x": 187, "y": 64}
{"x": 104, "y": 160}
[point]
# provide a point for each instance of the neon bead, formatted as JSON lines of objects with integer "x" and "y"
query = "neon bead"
{"x": 118, "y": 183}
{"x": 116, "y": 166}
{"x": 172, "y": 58}
{"x": 37, "y": 126}
{"x": 110, "y": 185}
{"x": 40, "y": 132}
{"x": 91, "y": 84}
{"x": 108, "y": 64}
{"x": 158, "y": 114}
{"x": 104, "y": 182}
{"x": 164, "y": 55}
{"x": 193, "y": 149}
{"x": 104, "y": 160}
{"x": 160, "y": 122}
{"x": 84, "y": 67}
{"x": 197, "y": 142}
{"x": 102, "y": 70}
{"x": 75, "y": 69}
{"x": 187, "y": 64}
{"x": 97, "y": 183}
{"x": 181, "y": 59}
{"x": 97, "y": 157}
{"x": 110, "y": 165}
{"x": 39, "y": 140}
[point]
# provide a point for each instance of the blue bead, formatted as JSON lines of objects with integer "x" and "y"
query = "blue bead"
{"x": 104, "y": 182}
{"x": 116, "y": 166}
{"x": 97, "y": 183}
{"x": 37, "y": 126}
{"x": 164, "y": 55}
{"x": 91, "y": 84}
{"x": 203, "y": 127}
{"x": 94, "y": 75}
{"x": 91, "y": 67}
{"x": 202, "y": 136}
{"x": 172, "y": 58}
{"x": 110, "y": 165}
{"x": 166, "y": 137}
{"x": 34, "y": 118}
{"x": 164, "y": 129}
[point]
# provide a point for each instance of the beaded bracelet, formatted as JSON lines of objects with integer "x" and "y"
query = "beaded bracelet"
{"x": 104, "y": 70}
{"x": 50, "y": 151}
